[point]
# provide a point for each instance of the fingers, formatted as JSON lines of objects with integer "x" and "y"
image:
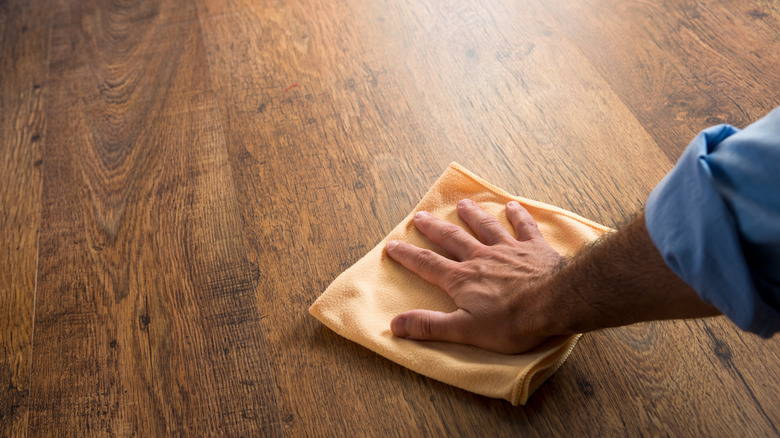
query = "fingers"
{"x": 429, "y": 325}
{"x": 429, "y": 265}
{"x": 454, "y": 239}
{"x": 521, "y": 220}
{"x": 488, "y": 228}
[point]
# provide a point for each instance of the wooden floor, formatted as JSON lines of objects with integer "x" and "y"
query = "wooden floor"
{"x": 180, "y": 180}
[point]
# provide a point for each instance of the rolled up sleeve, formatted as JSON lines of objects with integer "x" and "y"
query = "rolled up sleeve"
{"x": 715, "y": 219}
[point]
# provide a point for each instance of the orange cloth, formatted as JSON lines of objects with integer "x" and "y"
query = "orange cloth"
{"x": 362, "y": 301}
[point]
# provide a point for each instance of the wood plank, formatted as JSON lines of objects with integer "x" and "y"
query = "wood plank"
{"x": 681, "y": 66}
{"x": 334, "y": 118}
{"x": 509, "y": 92}
{"x": 456, "y": 81}
{"x": 146, "y": 321}
{"x": 671, "y": 378}
{"x": 387, "y": 94}
{"x": 24, "y": 42}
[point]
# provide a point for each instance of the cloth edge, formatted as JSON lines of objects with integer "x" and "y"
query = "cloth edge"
{"x": 540, "y": 205}
{"x": 527, "y": 382}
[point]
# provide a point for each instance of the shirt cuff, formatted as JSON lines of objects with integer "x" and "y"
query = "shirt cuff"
{"x": 697, "y": 236}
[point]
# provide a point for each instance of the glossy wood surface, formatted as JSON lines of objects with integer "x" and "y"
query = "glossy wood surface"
{"x": 179, "y": 181}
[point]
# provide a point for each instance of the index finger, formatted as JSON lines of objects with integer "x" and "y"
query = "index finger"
{"x": 454, "y": 239}
{"x": 429, "y": 265}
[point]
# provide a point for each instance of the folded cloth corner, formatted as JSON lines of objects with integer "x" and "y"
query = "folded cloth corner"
{"x": 361, "y": 302}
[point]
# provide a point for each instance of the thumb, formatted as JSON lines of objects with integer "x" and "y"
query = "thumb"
{"x": 429, "y": 325}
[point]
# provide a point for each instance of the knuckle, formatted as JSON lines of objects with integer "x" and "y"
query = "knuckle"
{"x": 464, "y": 276}
{"x": 424, "y": 259}
{"x": 489, "y": 226}
{"x": 426, "y": 326}
{"x": 483, "y": 252}
{"x": 486, "y": 222}
{"x": 478, "y": 272}
{"x": 527, "y": 228}
{"x": 457, "y": 278}
{"x": 450, "y": 231}
{"x": 530, "y": 223}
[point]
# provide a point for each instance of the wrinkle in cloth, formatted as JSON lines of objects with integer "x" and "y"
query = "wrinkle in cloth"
{"x": 361, "y": 302}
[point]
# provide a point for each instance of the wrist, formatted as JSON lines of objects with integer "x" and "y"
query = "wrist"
{"x": 563, "y": 303}
{"x": 560, "y": 315}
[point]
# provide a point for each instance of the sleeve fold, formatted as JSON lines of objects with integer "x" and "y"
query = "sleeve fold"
{"x": 715, "y": 218}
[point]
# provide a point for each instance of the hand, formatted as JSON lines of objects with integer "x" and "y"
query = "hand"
{"x": 495, "y": 281}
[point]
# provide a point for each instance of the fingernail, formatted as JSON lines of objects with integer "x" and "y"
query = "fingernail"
{"x": 392, "y": 244}
{"x": 421, "y": 215}
{"x": 513, "y": 204}
{"x": 466, "y": 203}
{"x": 398, "y": 325}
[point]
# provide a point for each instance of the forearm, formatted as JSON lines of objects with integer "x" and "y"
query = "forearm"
{"x": 619, "y": 281}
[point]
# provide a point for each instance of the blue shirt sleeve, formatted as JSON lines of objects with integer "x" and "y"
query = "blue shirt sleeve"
{"x": 715, "y": 218}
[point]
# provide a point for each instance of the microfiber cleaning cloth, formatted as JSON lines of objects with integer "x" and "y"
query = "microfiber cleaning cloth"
{"x": 362, "y": 301}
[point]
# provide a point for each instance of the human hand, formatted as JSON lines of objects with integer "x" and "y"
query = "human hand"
{"x": 494, "y": 281}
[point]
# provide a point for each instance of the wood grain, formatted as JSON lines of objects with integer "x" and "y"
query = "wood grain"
{"x": 387, "y": 95}
{"x": 686, "y": 65}
{"x": 146, "y": 319}
{"x": 24, "y": 37}
{"x": 196, "y": 173}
